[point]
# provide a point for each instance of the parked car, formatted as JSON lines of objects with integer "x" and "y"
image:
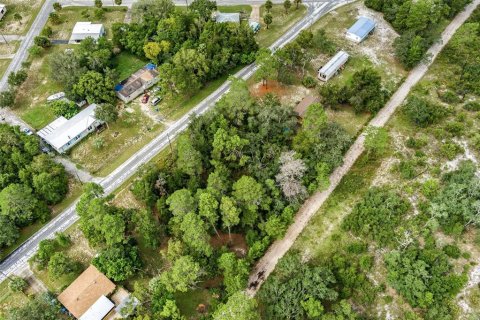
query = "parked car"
{"x": 156, "y": 101}
{"x": 145, "y": 98}
{"x": 27, "y": 131}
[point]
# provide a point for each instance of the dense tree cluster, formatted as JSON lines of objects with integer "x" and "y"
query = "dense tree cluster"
{"x": 111, "y": 228}
{"x": 425, "y": 278}
{"x": 377, "y": 215}
{"x": 242, "y": 167}
{"x": 29, "y": 181}
{"x": 189, "y": 47}
{"x": 298, "y": 290}
{"x": 417, "y": 22}
{"x": 423, "y": 112}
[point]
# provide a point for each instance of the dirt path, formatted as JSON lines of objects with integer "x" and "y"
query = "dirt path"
{"x": 255, "y": 14}
{"x": 279, "y": 248}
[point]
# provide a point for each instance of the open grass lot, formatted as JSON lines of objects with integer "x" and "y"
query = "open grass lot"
{"x": 9, "y": 48}
{"x": 4, "y": 63}
{"x": 26, "y": 9}
{"x": 126, "y": 63}
{"x": 281, "y": 23}
{"x": 9, "y": 299}
{"x": 245, "y": 9}
{"x": 71, "y": 15}
{"x": 127, "y": 135}
{"x": 30, "y": 102}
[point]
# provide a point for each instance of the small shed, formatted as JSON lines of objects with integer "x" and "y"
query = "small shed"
{"x": 83, "y": 30}
{"x": 361, "y": 29}
{"x": 333, "y": 66}
{"x": 98, "y": 310}
{"x": 302, "y": 106}
{"x": 3, "y": 10}
{"x": 254, "y": 25}
{"x": 221, "y": 17}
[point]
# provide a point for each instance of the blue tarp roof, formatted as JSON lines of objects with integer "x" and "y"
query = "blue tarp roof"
{"x": 362, "y": 27}
{"x": 150, "y": 66}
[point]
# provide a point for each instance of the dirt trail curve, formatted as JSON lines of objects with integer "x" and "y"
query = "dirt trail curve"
{"x": 279, "y": 248}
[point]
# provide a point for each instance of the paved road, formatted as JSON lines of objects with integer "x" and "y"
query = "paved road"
{"x": 18, "y": 259}
{"x": 278, "y": 249}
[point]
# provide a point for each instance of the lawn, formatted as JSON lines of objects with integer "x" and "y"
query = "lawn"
{"x": 245, "y": 9}
{"x": 4, "y": 63}
{"x": 282, "y": 22}
{"x": 71, "y": 15}
{"x": 27, "y": 10}
{"x": 126, "y": 63}
{"x": 9, "y": 299}
{"x": 9, "y": 48}
{"x": 121, "y": 140}
{"x": 30, "y": 102}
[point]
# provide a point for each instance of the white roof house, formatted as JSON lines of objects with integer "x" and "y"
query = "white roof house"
{"x": 361, "y": 29}
{"x": 98, "y": 310}
{"x": 83, "y": 30}
{"x": 62, "y": 134}
{"x": 3, "y": 10}
{"x": 227, "y": 17}
{"x": 332, "y": 66}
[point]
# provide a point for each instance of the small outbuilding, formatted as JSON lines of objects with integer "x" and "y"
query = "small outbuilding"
{"x": 83, "y": 30}
{"x": 333, "y": 66}
{"x": 361, "y": 29}
{"x": 137, "y": 83}
{"x": 221, "y": 17}
{"x": 62, "y": 134}
{"x": 254, "y": 25}
{"x": 302, "y": 106}
{"x": 3, "y": 10}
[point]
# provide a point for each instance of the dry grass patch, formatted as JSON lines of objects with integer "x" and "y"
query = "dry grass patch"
{"x": 27, "y": 10}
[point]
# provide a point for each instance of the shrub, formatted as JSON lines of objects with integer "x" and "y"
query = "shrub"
{"x": 16, "y": 79}
{"x": 407, "y": 169}
{"x": 309, "y": 82}
{"x": 47, "y": 32}
{"x": 41, "y": 41}
{"x": 422, "y": 112}
{"x": 449, "y": 96}
{"x": 99, "y": 143}
{"x": 35, "y": 50}
{"x": 54, "y": 18}
{"x": 472, "y": 106}
{"x": 450, "y": 150}
{"x": 99, "y": 13}
{"x": 17, "y": 284}
{"x": 452, "y": 251}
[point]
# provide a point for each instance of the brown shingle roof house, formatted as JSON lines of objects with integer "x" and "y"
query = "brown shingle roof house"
{"x": 91, "y": 286}
{"x": 303, "y": 105}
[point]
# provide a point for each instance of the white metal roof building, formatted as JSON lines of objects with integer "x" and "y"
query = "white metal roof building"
{"x": 227, "y": 17}
{"x": 62, "y": 134}
{"x": 332, "y": 66}
{"x": 361, "y": 29}
{"x": 3, "y": 10}
{"x": 98, "y": 310}
{"x": 83, "y": 30}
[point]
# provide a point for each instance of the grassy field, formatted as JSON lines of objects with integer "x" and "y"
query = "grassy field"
{"x": 282, "y": 22}
{"x": 245, "y": 9}
{"x": 71, "y": 15}
{"x": 126, "y": 63}
{"x": 122, "y": 139}
{"x": 9, "y": 299}
{"x": 26, "y": 10}
{"x": 4, "y": 63}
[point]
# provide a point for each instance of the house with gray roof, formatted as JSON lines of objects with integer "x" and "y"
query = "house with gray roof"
{"x": 361, "y": 29}
{"x": 137, "y": 83}
{"x": 62, "y": 134}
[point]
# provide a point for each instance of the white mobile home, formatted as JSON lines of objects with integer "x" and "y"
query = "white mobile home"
{"x": 3, "y": 10}
{"x": 62, "y": 133}
{"x": 333, "y": 66}
{"x": 361, "y": 29}
{"x": 83, "y": 30}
